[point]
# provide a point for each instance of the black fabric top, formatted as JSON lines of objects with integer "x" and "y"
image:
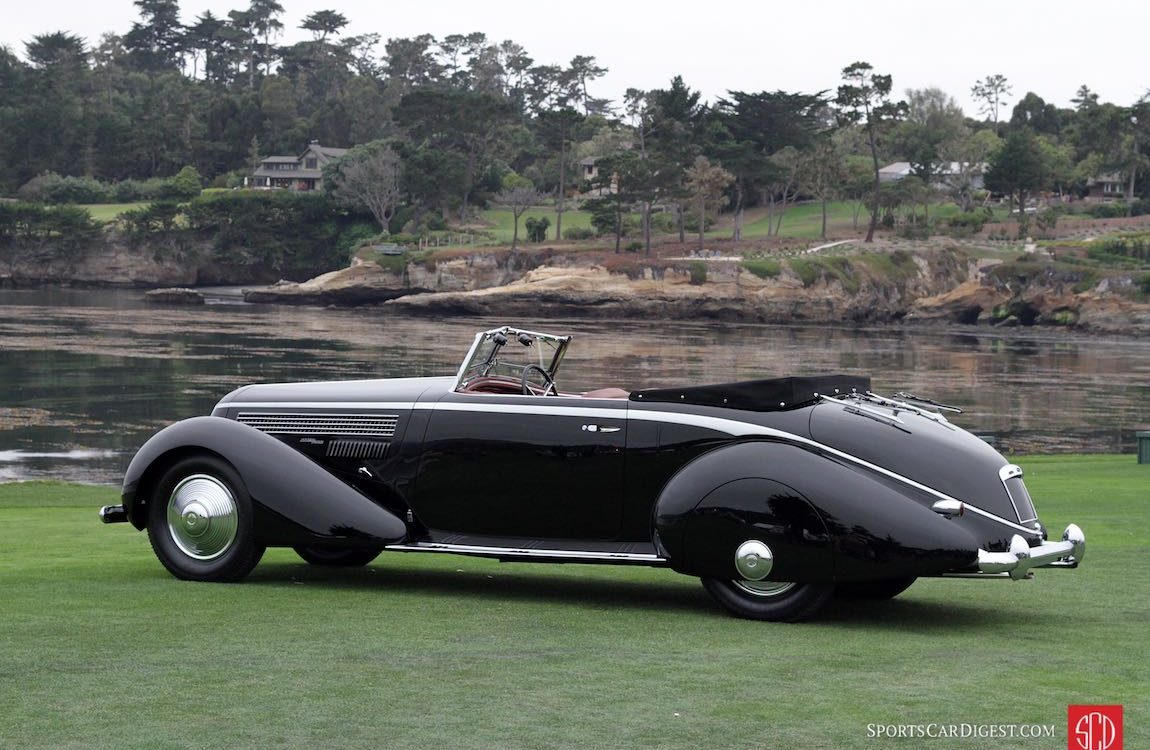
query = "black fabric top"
{"x": 758, "y": 395}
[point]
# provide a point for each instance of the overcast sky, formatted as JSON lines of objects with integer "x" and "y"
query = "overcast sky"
{"x": 1049, "y": 47}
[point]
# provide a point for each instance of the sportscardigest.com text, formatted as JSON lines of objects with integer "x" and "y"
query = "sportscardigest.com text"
{"x": 960, "y": 731}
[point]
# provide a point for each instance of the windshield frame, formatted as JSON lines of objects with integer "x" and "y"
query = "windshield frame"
{"x": 480, "y": 358}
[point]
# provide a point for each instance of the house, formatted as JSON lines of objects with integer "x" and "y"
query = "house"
{"x": 588, "y": 169}
{"x": 1105, "y": 187}
{"x": 303, "y": 172}
{"x": 942, "y": 176}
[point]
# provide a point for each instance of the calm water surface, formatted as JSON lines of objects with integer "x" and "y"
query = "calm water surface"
{"x": 87, "y": 376}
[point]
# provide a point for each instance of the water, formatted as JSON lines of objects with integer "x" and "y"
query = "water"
{"x": 86, "y": 376}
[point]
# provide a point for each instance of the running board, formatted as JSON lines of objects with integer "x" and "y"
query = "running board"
{"x": 510, "y": 554}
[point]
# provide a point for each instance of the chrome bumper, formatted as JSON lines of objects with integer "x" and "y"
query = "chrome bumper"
{"x": 1021, "y": 557}
{"x": 113, "y": 514}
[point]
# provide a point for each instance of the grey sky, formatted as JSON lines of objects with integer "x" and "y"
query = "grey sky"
{"x": 1049, "y": 47}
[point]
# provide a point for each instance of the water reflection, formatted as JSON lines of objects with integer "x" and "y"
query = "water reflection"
{"x": 99, "y": 371}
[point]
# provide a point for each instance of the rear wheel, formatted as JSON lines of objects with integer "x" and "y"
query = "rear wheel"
{"x": 338, "y": 558}
{"x": 778, "y": 601}
{"x": 887, "y": 588}
{"x": 200, "y": 521}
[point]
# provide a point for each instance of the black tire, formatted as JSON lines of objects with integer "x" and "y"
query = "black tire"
{"x": 887, "y": 588}
{"x": 769, "y": 600}
{"x": 208, "y": 535}
{"x": 335, "y": 557}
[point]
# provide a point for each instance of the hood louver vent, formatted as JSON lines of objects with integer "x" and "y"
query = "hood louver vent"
{"x": 360, "y": 449}
{"x": 357, "y": 425}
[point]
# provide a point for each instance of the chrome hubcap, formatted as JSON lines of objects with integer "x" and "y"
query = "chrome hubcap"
{"x": 202, "y": 517}
{"x": 754, "y": 560}
{"x": 765, "y": 588}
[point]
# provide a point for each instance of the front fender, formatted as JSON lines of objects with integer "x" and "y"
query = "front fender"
{"x": 824, "y": 520}
{"x": 296, "y": 500}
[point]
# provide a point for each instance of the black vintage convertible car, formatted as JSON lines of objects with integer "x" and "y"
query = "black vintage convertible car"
{"x": 776, "y": 493}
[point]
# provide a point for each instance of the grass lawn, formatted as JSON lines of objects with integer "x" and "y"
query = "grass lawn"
{"x": 105, "y": 212}
{"x": 504, "y": 223}
{"x": 100, "y": 648}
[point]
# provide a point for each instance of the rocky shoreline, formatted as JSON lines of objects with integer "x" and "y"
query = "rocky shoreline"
{"x": 890, "y": 283}
{"x": 934, "y": 287}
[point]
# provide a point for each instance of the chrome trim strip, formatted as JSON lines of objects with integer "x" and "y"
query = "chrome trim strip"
{"x": 567, "y": 555}
{"x": 312, "y": 423}
{"x": 719, "y": 424}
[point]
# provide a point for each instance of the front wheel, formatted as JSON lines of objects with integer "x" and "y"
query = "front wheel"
{"x": 338, "y": 558}
{"x": 777, "y": 601}
{"x": 200, "y": 522}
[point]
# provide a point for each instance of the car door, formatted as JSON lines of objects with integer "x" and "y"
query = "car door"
{"x": 539, "y": 467}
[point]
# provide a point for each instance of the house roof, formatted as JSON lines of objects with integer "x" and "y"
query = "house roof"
{"x": 326, "y": 152}
{"x": 1104, "y": 178}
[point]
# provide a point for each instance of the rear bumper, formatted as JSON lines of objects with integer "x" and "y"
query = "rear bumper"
{"x": 1021, "y": 557}
{"x": 113, "y": 514}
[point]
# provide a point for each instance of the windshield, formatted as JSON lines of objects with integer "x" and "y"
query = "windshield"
{"x": 507, "y": 352}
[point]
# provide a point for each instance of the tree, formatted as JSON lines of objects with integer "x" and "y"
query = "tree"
{"x": 555, "y": 128}
{"x": 156, "y": 41}
{"x": 990, "y": 91}
{"x": 967, "y": 153}
{"x": 822, "y": 172}
{"x": 1017, "y": 168}
{"x": 782, "y": 175}
{"x": 706, "y": 183}
{"x": 466, "y": 122}
{"x": 59, "y": 51}
{"x": 756, "y": 126}
{"x": 865, "y": 99}
{"x": 583, "y": 70}
{"x": 518, "y": 194}
{"x": 324, "y": 22}
{"x": 609, "y": 209}
{"x": 1032, "y": 111}
{"x": 933, "y": 118}
{"x": 678, "y": 121}
{"x": 367, "y": 176}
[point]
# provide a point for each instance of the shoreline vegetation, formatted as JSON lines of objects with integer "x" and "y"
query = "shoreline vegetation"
{"x": 445, "y": 632}
{"x": 1091, "y": 274}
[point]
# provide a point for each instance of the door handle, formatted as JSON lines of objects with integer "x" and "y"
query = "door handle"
{"x": 599, "y": 428}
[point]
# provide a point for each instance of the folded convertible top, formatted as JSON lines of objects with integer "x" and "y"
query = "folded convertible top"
{"x": 758, "y": 395}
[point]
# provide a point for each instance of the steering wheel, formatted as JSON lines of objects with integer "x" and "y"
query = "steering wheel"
{"x": 548, "y": 381}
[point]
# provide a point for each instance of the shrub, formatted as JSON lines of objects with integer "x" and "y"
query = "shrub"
{"x": 68, "y": 227}
{"x": 763, "y": 268}
{"x": 1143, "y": 283}
{"x": 578, "y": 233}
{"x": 698, "y": 273}
{"x": 291, "y": 233}
{"x": 1114, "y": 210}
{"x": 156, "y": 217}
{"x": 966, "y": 224}
{"x": 634, "y": 246}
{"x": 53, "y": 188}
{"x": 537, "y": 228}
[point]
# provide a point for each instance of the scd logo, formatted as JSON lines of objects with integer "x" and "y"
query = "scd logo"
{"x": 1094, "y": 727}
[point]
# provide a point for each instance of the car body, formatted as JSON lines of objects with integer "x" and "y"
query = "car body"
{"x": 776, "y": 493}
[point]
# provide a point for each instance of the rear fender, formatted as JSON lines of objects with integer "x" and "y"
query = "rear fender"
{"x": 296, "y": 500}
{"x": 824, "y": 520}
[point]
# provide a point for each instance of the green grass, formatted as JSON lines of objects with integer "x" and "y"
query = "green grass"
{"x": 106, "y": 212}
{"x": 503, "y": 223}
{"x": 100, "y": 648}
